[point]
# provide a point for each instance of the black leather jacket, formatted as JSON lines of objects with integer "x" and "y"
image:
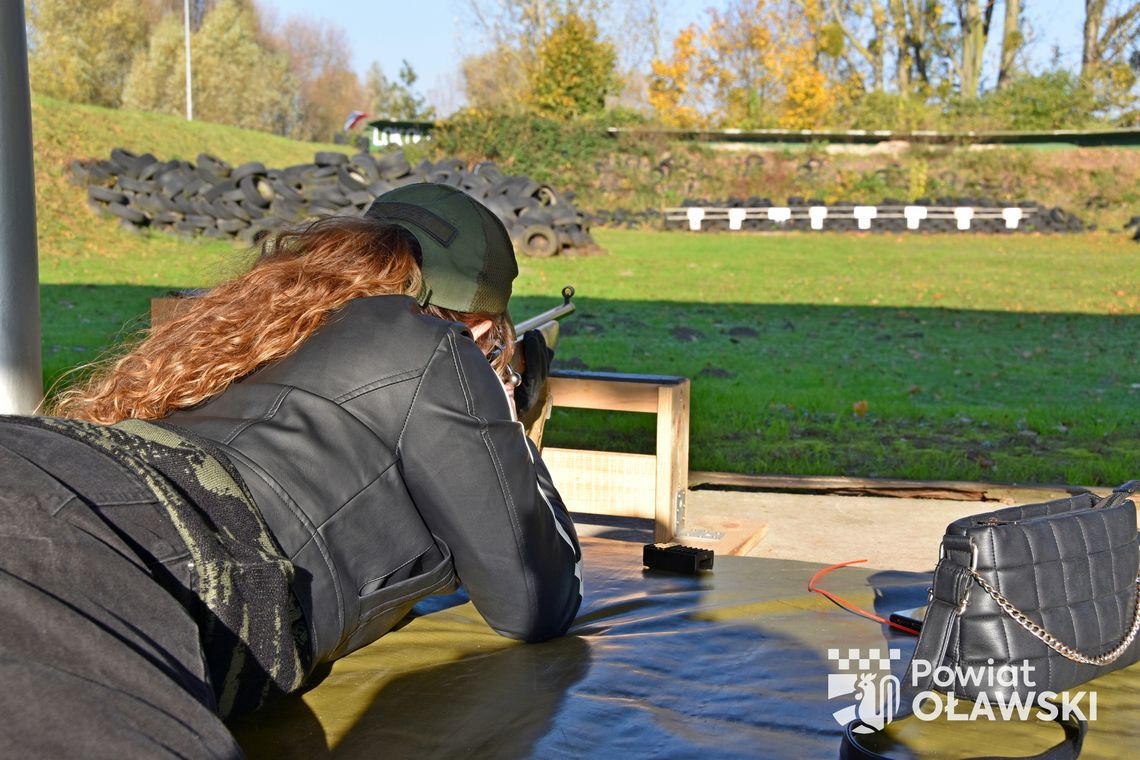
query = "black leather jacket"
{"x": 385, "y": 460}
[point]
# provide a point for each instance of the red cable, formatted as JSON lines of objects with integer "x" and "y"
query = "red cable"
{"x": 846, "y": 605}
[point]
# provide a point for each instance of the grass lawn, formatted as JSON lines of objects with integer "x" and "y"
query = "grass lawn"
{"x": 1005, "y": 358}
{"x": 79, "y": 250}
{"x": 996, "y": 358}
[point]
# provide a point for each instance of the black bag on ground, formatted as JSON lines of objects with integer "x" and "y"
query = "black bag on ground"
{"x": 1055, "y": 586}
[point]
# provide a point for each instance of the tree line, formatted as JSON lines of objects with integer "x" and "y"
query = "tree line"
{"x": 748, "y": 64}
{"x": 291, "y": 78}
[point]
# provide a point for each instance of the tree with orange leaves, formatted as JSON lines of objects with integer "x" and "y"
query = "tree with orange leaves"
{"x": 810, "y": 96}
{"x": 671, "y": 83}
{"x": 741, "y": 61}
{"x": 757, "y": 64}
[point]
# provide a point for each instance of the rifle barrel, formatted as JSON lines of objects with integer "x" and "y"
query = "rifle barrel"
{"x": 558, "y": 312}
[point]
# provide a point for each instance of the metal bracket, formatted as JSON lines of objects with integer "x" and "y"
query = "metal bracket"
{"x": 704, "y": 535}
{"x": 679, "y": 512}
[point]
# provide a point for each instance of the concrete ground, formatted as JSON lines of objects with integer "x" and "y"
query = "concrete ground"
{"x": 891, "y": 533}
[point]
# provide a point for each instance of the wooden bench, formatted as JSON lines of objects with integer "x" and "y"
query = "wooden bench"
{"x": 630, "y": 485}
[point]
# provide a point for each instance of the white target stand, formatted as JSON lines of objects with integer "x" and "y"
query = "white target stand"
{"x": 779, "y": 214}
{"x": 864, "y": 215}
{"x": 914, "y": 215}
{"x": 816, "y": 214}
{"x": 695, "y": 216}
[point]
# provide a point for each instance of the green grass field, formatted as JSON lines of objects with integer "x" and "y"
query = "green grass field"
{"x": 998, "y": 358}
{"x": 1005, "y": 358}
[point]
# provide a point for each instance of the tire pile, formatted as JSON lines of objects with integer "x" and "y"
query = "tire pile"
{"x": 938, "y": 216}
{"x": 1134, "y": 222}
{"x": 214, "y": 199}
{"x": 625, "y": 218}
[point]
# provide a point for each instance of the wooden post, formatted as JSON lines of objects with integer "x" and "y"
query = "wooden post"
{"x": 642, "y": 485}
{"x": 672, "y": 460}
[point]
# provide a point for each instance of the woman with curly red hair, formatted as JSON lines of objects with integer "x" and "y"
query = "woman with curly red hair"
{"x": 271, "y": 481}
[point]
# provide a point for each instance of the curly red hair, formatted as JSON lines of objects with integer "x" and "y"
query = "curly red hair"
{"x": 300, "y": 277}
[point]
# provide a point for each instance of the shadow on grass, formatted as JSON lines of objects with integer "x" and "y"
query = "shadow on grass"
{"x": 808, "y": 389}
{"x": 79, "y": 323}
{"x": 870, "y": 391}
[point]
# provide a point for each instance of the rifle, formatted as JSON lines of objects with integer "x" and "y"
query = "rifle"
{"x": 546, "y": 323}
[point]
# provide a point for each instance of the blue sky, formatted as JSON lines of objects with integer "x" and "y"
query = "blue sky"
{"x": 434, "y": 35}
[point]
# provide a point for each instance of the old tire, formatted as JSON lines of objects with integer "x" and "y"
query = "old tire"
{"x": 329, "y": 158}
{"x": 539, "y": 241}
{"x": 256, "y": 191}
{"x": 105, "y": 194}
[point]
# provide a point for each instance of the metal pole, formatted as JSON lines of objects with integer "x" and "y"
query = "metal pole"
{"x": 189, "y": 93}
{"x": 21, "y": 373}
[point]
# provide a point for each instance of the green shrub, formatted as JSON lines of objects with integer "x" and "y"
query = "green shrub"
{"x": 1053, "y": 100}
{"x": 889, "y": 110}
{"x": 543, "y": 148}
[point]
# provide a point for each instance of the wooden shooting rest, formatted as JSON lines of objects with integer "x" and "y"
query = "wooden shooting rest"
{"x": 649, "y": 486}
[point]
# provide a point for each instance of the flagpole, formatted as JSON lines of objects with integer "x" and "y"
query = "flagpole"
{"x": 189, "y": 93}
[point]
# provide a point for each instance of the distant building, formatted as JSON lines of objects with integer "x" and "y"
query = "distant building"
{"x": 387, "y": 133}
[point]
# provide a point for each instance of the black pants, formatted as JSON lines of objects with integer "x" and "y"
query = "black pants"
{"x": 98, "y": 656}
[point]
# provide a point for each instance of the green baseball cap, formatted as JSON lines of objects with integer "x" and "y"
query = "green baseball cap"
{"x": 468, "y": 260}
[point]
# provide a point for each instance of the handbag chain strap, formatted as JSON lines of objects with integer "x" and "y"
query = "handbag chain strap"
{"x": 1053, "y": 642}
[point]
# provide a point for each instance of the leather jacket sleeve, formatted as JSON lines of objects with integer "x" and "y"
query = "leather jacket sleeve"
{"x": 482, "y": 488}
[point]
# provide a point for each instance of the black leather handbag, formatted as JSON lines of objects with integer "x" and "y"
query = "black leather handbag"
{"x": 1053, "y": 585}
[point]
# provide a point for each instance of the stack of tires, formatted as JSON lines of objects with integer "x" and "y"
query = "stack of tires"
{"x": 1134, "y": 222}
{"x": 625, "y": 218}
{"x": 214, "y": 199}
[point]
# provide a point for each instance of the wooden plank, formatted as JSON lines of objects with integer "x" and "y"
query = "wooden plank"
{"x": 578, "y": 393}
{"x": 618, "y": 377}
{"x": 672, "y": 465}
{"x": 665, "y": 520}
{"x": 727, "y": 535}
{"x": 604, "y": 482}
{"x": 679, "y": 476}
{"x": 1008, "y": 493}
{"x": 663, "y": 476}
